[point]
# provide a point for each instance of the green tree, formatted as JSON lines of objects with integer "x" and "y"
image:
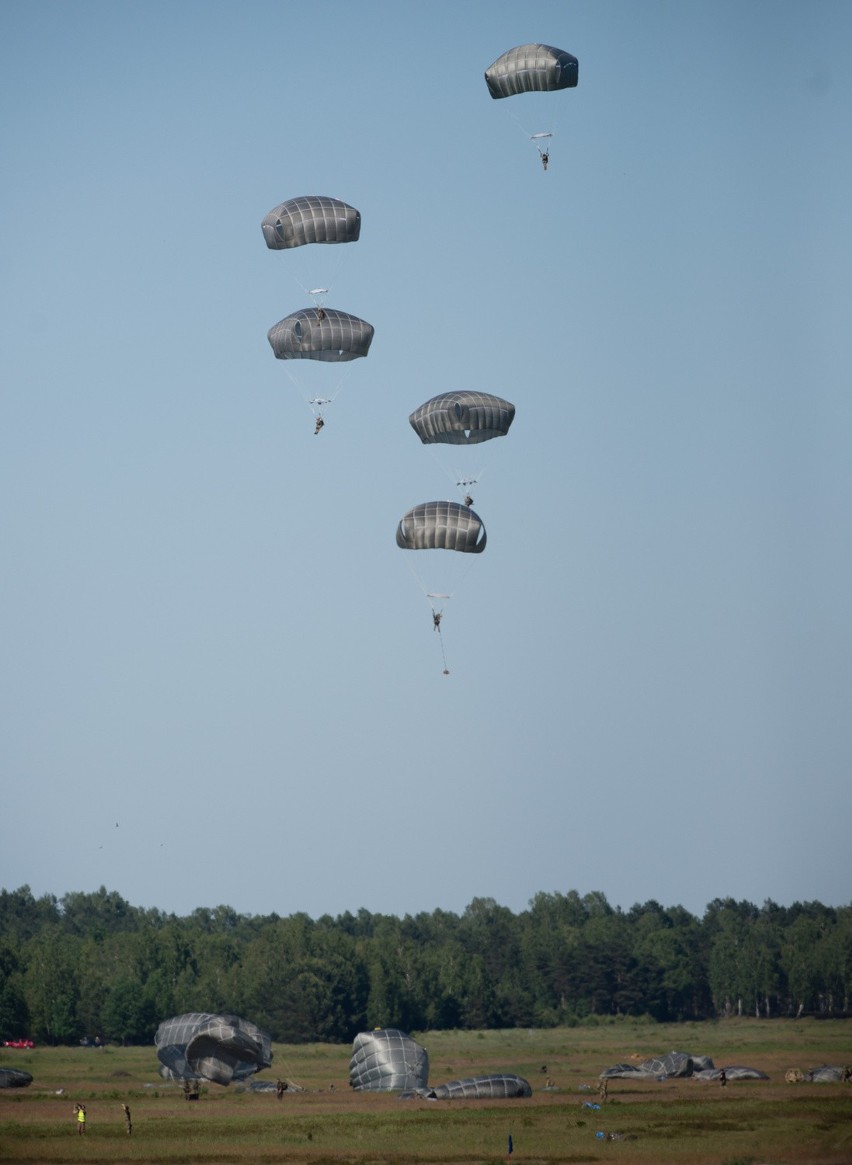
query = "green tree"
{"x": 50, "y": 988}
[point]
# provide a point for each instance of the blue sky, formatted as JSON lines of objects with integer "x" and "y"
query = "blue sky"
{"x": 220, "y": 682}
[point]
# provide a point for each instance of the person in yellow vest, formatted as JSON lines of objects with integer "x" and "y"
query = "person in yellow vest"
{"x": 80, "y": 1112}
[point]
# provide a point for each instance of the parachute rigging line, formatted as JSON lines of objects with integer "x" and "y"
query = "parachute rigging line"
{"x": 317, "y": 403}
{"x": 446, "y": 671}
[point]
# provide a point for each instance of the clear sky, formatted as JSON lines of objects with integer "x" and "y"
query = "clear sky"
{"x": 220, "y": 681}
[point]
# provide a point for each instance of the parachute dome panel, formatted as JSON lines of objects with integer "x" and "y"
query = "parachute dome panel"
{"x": 386, "y": 1060}
{"x": 462, "y": 418}
{"x": 312, "y": 218}
{"x": 531, "y": 68}
{"x": 320, "y": 334}
{"x": 441, "y": 526}
{"x": 219, "y": 1048}
{"x": 496, "y": 1087}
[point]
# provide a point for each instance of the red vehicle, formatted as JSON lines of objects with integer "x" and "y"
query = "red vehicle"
{"x": 18, "y": 1044}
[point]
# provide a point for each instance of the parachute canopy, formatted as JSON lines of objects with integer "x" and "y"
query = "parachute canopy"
{"x": 531, "y": 68}
{"x": 732, "y": 1072}
{"x": 387, "y": 1059}
{"x": 219, "y": 1048}
{"x": 14, "y": 1078}
{"x": 311, "y": 218}
{"x": 826, "y": 1074}
{"x": 320, "y": 334}
{"x": 441, "y": 526}
{"x": 659, "y": 1067}
{"x": 679, "y": 1064}
{"x": 496, "y": 1087}
{"x": 462, "y": 418}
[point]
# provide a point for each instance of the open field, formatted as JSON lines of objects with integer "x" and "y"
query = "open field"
{"x": 684, "y": 1121}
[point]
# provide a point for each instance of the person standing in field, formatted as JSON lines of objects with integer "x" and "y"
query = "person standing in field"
{"x": 80, "y": 1113}
{"x": 127, "y": 1122}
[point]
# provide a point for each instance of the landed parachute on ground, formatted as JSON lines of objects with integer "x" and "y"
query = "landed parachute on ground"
{"x": 441, "y": 526}
{"x": 320, "y": 334}
{"x": 387, "y": 1060}
{"x": 311, "y": 218}
{"x": 531, "y": 68}
{"x": 659, "y": 1067}
{"x": 14, "y": 1078}
{"x": 732, "y": 1072}
{"x": 462, "y": 418}
{"x": 826, "y": 1074}
{"x": 679, "y": 1064}
{"x": 495, "y": 1087}
{"x": 219, "y": 1048}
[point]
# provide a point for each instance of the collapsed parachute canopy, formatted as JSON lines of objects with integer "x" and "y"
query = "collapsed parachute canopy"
{"x": 14, "y": 1078}
{"x": 324, "y": 334}
{"x": 462, "y": 418}
{"x": 496, "y": 1087}
{"x": 220, "y": 1048}
{"x": 441, "y": 526}
{"x": 531, "y": 68}
{"x": 387, "y": 1059}
{"x": 311, "y": 218}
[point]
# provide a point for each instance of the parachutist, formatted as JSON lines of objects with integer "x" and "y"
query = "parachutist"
{"x": 320, "y": 313}
{"x": 437, "y": 616}
{"x": 468, "y": 500}
{"x": 319, "y": 425}
{"x": 545, "y": 158}
{"x": 446, "y": 671}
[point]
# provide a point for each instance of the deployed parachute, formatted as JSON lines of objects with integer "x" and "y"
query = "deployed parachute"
{"x": 531, "y": 68}
{"x": 441, "y": 526}
{"x": 387, "y": 1059}
{"x": 320, "y": 334}
{"x": 219, "y": 1048}
{"x": 311, "y": 218}
{"x": 496, "y": 1087}
{"x": 462, "y": 418}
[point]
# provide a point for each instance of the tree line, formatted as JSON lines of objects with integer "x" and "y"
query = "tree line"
{"x": 90, "y": 964}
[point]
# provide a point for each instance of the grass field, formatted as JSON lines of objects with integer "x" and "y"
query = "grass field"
{"x": 683, "y": 1121}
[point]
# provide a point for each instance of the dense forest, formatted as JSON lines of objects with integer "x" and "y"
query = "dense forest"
{"x": 91, "y": 964}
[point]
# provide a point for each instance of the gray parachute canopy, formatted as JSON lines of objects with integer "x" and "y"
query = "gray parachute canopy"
{"x": 387, "y": 1059}
{"x": 311, "y": 218}
{"x": 219, "y": 1048}
{"x": 825, "y": 1074}
{"x": 496, "y": 1087}
{"x": 462, "y": 418}
{"x": 531, "y": 68}
{"x": 441, "y": 526}
{"x": 660, "y": 1067}
{"x": 320, "y": 334}
{"x": 14, "y": 1078}
{"x": 732, "y": 1072}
